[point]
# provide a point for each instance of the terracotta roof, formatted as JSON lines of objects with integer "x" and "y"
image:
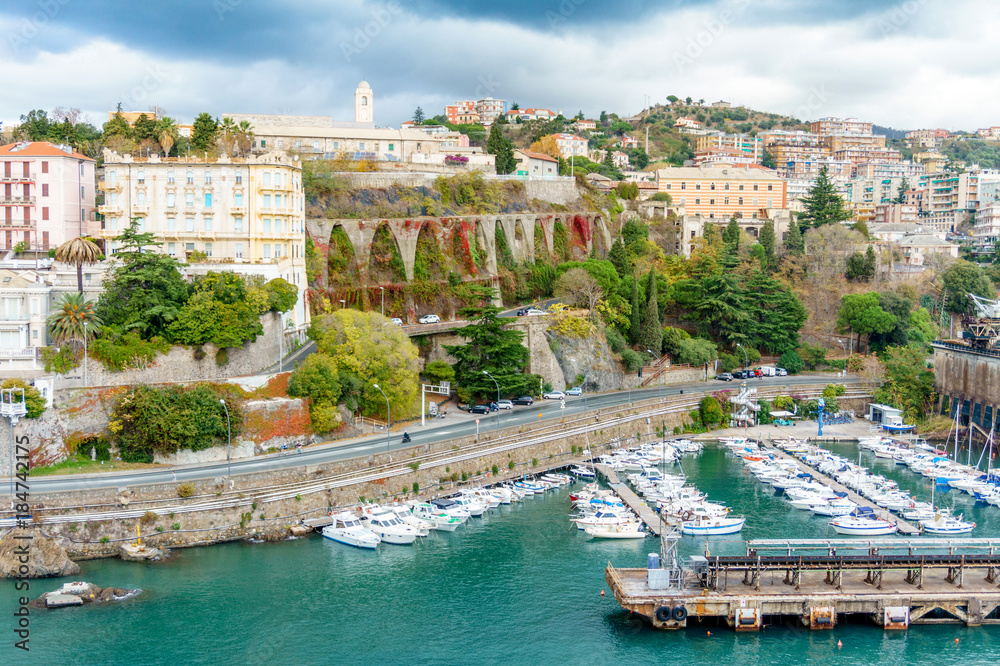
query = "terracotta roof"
{"x": 39, "y": 149}
{"x": 538, "y": 156}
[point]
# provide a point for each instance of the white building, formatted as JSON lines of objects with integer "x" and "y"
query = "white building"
{"x": 25, "y": 305}
{"x": 571, "y": 144}
{"x": 917, "y": 248}
{"x": 47, "y": 195}
{"x": 987, "y": 229}
{"x": 531, "y": 164}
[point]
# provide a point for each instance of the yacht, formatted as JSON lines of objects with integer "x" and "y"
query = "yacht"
{"x": 941, "y": 525}
{"x": 708, "y": 526}
{"x": 441, "y": 520}
{"x": 862, "y": 522}
{"x": 347, "y": 529}
{"x": 632, "y": 530}
{"x": 421, "y": 525}
{"x": 389, "y": 528}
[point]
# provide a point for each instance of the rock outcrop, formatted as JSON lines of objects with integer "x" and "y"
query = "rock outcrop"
{"x": 45, "y": 558}
{"x": 79, "y": 593}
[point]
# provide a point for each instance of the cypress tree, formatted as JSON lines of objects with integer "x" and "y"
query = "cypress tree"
{"x": 766, "y": 240}
{"x": 635, "y": 317}
{"x": 501, "y": 147}
{"x": 650, "y": 331}
{"x": 619, "y": 256}
{"x": 794, "y": 243}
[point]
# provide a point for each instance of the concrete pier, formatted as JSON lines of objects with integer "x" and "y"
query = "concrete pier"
{"x": 633, "y": 501}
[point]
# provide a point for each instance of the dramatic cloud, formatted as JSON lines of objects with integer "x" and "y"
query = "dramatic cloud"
{"x": 906, "y": 64}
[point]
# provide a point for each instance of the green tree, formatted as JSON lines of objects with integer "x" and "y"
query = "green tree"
{"x": 368, "y": 349}
{"x": 650, "y": 330}
{"x": 35, "y": 126}
{"x": 862, "y": 314}
{"x": 282, "y": 295}
{"x": 696, "y": 351}
{"x": 776, "y": 314}
{"x": 316, "y": 378}
{"x": 79, "y": 252}
{"x": 710, "y": 412}
{"x": 961, "y": 279}
{"x": 145, "y": 290}
{"x": 117, "y": 126}
{"x": 490, "y": 347}
{"x": 862, "y": 228}
{"x": 619, "y": 258}
{"x": 205, "y": 318}
{"x": 767, "y": 241}
{"x": 204, "y": 132}
{"x": 503, "y": 150}
{"x": 731, "y": 239}
{"x": 73, "y": 319}
{"x": 439, "y": 371}
{"x": 167, "y": 134}
{"x": 767, "y": 161}
{"x": 794, "y": 243}
{"x": 908, "y": 383}
{"x": 823, "y": 205}
{"x": 900, "y": 197}
{"x": 144, "y": 128}
{"x": 672, "y": 339}
{"x": 858, "y": 268}
{"x": 635, "y": 314}
{"x": 638, "y": 158}
{"x": 792, "y": 362}
{"x": 418, "y": 116}
{"x": 899, "y": 334}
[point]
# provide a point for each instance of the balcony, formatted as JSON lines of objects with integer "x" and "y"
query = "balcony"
{"x": 17, "y": 201}
{"x": 17, "y": 179}
{"x": 140, "y": 209}
{"x": 109, "y": 209}
{"x": 105, "y": 186}
{"x": 238, "y": 210}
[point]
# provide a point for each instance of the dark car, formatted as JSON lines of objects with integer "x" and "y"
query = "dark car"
{"x": 724, "y": 377}
{"x": 741, "y": 374}
{"x": 479, "y": 409}
{"x": 523, "y": 400}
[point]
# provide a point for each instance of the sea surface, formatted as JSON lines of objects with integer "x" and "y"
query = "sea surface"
{"x": 517, "y": 586}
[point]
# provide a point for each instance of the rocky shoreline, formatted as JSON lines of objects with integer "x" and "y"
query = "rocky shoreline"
{"x": 80, "y": 593}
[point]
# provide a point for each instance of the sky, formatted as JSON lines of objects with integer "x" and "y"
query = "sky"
{"x": 906, "y": 64}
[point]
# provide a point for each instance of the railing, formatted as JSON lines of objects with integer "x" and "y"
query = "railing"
{"x": 965, "y": 348}
{"x": 105, "y": 209}
{"x": 21, "y": 354}
{"x": 17, "y": 200}
{"x": 18, "y": 179}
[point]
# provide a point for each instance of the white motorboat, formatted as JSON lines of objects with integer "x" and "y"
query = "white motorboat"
{"x": 941, "y": 525}
{"x": 606, "y": 517}
{"x": 583, "y": 473}
{"x": 452, "y": 508}
{"x": 835, "y": 508}
{"x": 631, "y": 530}
{"x": 862, "y": 522}
{"x": 421, "y": 525}
{"x": 470, "y": 503}
{"x": 709, "y": 526}
{"x": 347, "y": 529}
{"x": 441, "y": 520}
{"x": 389, "y": 528}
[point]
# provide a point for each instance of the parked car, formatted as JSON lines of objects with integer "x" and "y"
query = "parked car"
{"x": 535, "y": 311}
{"x": 781, "y": 372}
{"x": 739, "y": 374}
{"x": 397, "y": 321}
{"x": 429, "y": 319}
{"x": 522, "y": 312}
{"x": 576, "y": 390}
{"x": 505, "y": 404}
{"x": 479, "y": 409}
{"x": 554, "y": 395}
{"x": 523, "y": 400}
{"x": 724, "y": 377}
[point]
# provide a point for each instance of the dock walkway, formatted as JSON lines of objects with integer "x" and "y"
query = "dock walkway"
{"x": 634, "y": 502}
{"x": 904, "y": 527}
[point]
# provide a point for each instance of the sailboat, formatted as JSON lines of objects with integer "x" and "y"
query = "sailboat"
{"x": 943, "y": 524}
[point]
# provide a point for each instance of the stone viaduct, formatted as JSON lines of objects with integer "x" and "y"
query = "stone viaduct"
{"x": 584, "y": 229}
{"x": 968, "y": 382}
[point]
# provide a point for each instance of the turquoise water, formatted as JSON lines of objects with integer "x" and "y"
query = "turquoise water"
{"x": 519, "y": 586}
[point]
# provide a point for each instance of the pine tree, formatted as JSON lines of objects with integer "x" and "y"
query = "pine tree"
{"x": 823, "y": 205}
{"x": 144, "y": 128}
{"x": 766, "y": 240}
{"x": 871, "y": 263}
{"x": 501, "y": 147}
{"x": 418, "y": 116}
{"x": 731, "y": 239}
{"x": 619, "y": 256}
{"x": 904, "y": 185}
{"x": 203, "y": 131}
{"x": 635, "y": 317}
{"x": 794, "y": 243}
{"x": 650, "y": 331}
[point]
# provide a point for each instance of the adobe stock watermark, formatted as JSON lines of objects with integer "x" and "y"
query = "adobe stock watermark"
{"x": 487, "y": 86}
{"x": 565, "y": 9}
{"x": 712, "y": 30}
{"x": 893, "y": 20}
{"x": 32, "y": 25}
{"x": 223, "y": 7}
{"x": 139, "y": 94}
{"x": 816, "y": 100}
{"x": 381, "y": 17}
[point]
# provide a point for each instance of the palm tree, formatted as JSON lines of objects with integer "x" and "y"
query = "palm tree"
{"x": 74, "y": 318}
{"x": 228, "y": 129}
{"x": 244, "y": 136}
{"x": 78, "y": 252}
{"x": 166, "y": 132}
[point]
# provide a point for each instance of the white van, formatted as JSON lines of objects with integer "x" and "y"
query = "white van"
{"x": 768, "y": 371}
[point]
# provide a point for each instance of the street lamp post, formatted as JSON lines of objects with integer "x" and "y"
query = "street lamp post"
{"x": 844, "y": 347}
{"x": 382, "y": 291}
{"x": 229, "y": 444}
{"x": 746, "y": 358}
{"x": 85, "y": 354}
{"x": 498, "y": 397}
{"x": 388, "y": 415}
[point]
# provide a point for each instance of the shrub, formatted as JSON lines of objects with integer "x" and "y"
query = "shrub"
{"x": 615, "y": 340}
{"x": 710, "y": 412}
{"x": 118, "y": 353}
{"x": 510, "y": 465}
{"x": 147, "y": 518}
{"x": 696, "y": 351}
{"x": 177, "y": 526}
{"x": 792, "y": 362}
{"x": 416, "y": 487}
{"x": 61, "y": 360}
{"x": 496, "y": 470}
{"x": 222, "y": 356}
{"x": 324, "y": 417}
{"x": 632, "y": 360}
{"x": 728, "y": 362}
{"x": 185, "y": 490}
{"x": 105, "y": 539}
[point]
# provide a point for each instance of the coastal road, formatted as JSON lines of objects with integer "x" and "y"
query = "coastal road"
{"x": 457, "y": 424}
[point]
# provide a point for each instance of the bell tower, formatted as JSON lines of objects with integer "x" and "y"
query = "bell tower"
{"x": 364, "y": 104}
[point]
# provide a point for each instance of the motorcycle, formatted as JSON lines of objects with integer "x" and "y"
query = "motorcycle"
{"x": 406, "y": 438}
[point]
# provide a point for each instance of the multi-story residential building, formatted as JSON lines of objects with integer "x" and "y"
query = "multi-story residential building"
{"x": 691, "y": 227}
{"x": 723, "y": 192}
{"x": 927, "y": 138}
{"x": 687, "y": 123}
{"x": 628, "y": 142}
{"x": 952, "y": 197}
{"x": 860, "y": 156}
{"x": 620, "y": 159}
{"x": 849, "y": 140}
{"x": 24, "y": 305}
{"x": 584, "y": 125}
{"x": 916, "y": 249}
{"x": 986, "y": 231}
{"x": 826, "y": 126}
{"x": 531, "y": 164}
{"x": 741, "y": 142}
{"x": 989, "y": 133}
{"x": 533, "y": 114}
{"x": 245, "y": 212}
{"x": 571, "y": 144}
{"x": 460, "y": 112}
{"x": 909, "y": 170}
{"x": 719, "y": 156}
{"x": 890, "y": 213}
{"x": 46, "y": 195}
{"x": 890, "y": 232}
{"x": 874, "y": 190}
{"x": 490, "y": 109}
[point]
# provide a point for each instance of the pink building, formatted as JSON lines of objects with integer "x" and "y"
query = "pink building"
{"x": 47, "y": 195}
{"x": 571, "y": 144}
{"x": 895, "y": 214}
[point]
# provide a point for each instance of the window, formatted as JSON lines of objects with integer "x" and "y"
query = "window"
{"x": 189, "y": 199}
{"x": 770, "y": 202}
{"x": 392, "y": 147}
{"x": 190, "y": 177}
{"x": 189, "y": 247}
{"x": 171, "y": 224}
{"x": 741, "y": 187}
{"x": 171, "y": 199}
{"x": 170, "y": 178}
{"x": 361, "y": 146}
{"x": 266, "y": 222}
{"x": 725, "y": 201}
{"x": 298, "y": 144}
{"x": 267, "y": 251}
{"x": 208, "y": 223}
{"x": 364, "y": 101}
{"x": 45, "y": 189}
{"x": 336, "y": 145}
{"x": 208, "y": 249}
{"x": 315, "y": 145}
{"x": 189, "y": 224}
{"x": 697, "y": 202}
{"x": 45, "y": 167}
{"x": 140, "y": 198}
{"x": 755, "y": 187}
{"x": 83, "y": 192}
{"x": 697, "y": 186}
{"x": 683, "y": 186}
{"x": 170, "y": 249}
{"x": 711, "y": 202}
{"x": 267, "y": 201}
{"x": 238, "y": 252}
{"x": 712, "y": 187}
{"x": 208, "y": 177}
{"x": 140, "y": 176}
{"x": 692, "y": 234}
{"x": 239, "y": 179}
{"x": 238, "y": 200}
{"x": 45, "y": 212}
{"x": 727, "y": 186}
{"x": 238, "y": 224}
{"x": 111, "y": 222}
{"x": 741, "y": 201}
{"x": 263, "y": 143}
{"x": 267, "y": 179}
{"x": 141, "y": 226}
{"x": 112, "y": 177}
{"x": 770, "y": 188}
{"x": 683, "y": 200}
{"x": 208, "y": 199}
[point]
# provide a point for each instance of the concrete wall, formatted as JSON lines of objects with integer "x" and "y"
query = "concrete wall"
{"x": 554, "y": 191}
{"x": 970, "y": 382}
